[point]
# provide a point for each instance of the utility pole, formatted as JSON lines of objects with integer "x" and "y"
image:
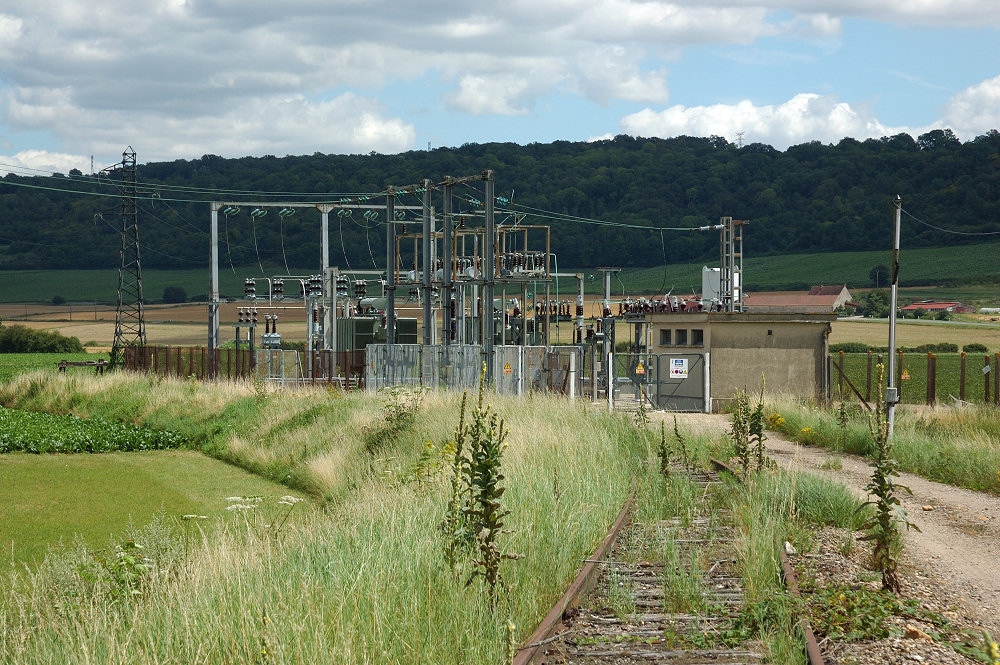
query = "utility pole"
{"x": 130, "y": 327}
{"x": 891, "y": 391}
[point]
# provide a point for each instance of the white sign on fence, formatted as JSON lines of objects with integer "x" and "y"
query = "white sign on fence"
{"x": 678, "y": 368}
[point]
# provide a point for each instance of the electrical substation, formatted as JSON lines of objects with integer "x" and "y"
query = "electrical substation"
{"x": 484, "y": 298}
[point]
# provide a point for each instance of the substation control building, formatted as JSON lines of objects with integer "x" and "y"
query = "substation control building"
{"x": 698, "y": 360}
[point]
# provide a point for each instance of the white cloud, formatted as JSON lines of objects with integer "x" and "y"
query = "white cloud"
{"x": 28, "y": 162}
{"x": 803, "y": 118}
{"x": 242, "y": 76}
{"x": 975, "y": 110}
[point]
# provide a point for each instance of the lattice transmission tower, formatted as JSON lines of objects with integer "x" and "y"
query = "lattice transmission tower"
{"x": 130, "y": 327}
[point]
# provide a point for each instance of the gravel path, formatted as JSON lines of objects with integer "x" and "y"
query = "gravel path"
{"x": 958, "y": 544}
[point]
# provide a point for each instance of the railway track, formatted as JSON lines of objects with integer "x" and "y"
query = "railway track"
{"x": 665, "y": 591}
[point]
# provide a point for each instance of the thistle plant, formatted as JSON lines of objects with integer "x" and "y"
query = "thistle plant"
{"x": 681, "y": 443}
{"x": 755, "y": 429}
{"x": 883, "y": 528}
{"x": 484, "y": 479}
{"x": 455, "y": 526}
{"x": 747, "y": 430}
{"x": 474, "y": 515}
{"x": 642, "y": 416}
{"x": 739, "y": 429}
{"x": 661, "y": 450}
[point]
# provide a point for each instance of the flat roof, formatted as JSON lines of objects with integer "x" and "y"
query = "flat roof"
{"x": 748, "y": 317}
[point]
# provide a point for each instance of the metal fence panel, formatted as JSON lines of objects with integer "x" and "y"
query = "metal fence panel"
{"x": 508, "y": 370}
{"x": 393, "y": 365}
{"x": 456, "y": 366}
{"x": 280, "y": 366}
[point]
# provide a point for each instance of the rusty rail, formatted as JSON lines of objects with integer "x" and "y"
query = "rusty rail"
{"x": 788, "y": 573}
{"x": 582, "y": 585}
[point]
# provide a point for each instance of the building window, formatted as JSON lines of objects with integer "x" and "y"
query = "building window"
{"x": 664, "y": 337}
{"x": 682, "y": 337}
{"x": 697, "y": 337}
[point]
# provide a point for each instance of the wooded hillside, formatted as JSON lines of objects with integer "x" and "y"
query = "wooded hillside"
{"x": 809, "y": 198}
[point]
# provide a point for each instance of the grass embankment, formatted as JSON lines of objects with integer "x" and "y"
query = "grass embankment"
{"x": 364, "y": 580}
{"x": 955, "y": 446}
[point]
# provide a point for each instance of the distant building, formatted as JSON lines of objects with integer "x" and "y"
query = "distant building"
{"x": 931, "y": 306}
{"x": 819, "y": 299}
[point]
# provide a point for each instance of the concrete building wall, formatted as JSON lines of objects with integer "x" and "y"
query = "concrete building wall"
{"x": 789, "y": 349}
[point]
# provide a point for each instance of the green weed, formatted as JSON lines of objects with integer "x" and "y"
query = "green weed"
{"x": 883, "y": 528}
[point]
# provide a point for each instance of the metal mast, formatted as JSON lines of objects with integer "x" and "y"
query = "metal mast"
{"x": 130, "y": 327}
{"x": 731, "y": 258}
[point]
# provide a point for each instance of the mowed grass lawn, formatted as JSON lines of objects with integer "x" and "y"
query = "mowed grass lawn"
{"x": 45, "y": 499}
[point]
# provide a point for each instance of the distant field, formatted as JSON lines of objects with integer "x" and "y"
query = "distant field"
{"x": 927, "y": 266}
{"x": 82, "y": 286}
{"x": 45, "y": 499}
{"x": 924, "y": 266}
{"x": 875, "y": 332}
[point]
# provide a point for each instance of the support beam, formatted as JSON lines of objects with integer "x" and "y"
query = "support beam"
{"x": 213, "y": 294}
{"x": 427, "y": 265}
{"x": 390, "y": 266}
{"x": 489, "y": 269}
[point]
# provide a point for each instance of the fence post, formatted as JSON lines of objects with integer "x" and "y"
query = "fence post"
{"x": 996, "y": 380}
{"x": 961, "y": 379}
{"x": 986, "y": 381}
{"x": 868, "y": 384}
{"x": 840, "y": 376}
{"x": 180, "y": 368}
{"x": 931, "y": 378}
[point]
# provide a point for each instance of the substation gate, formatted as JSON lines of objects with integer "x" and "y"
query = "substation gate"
{"x": 516, "y": 369}
{"x": 667, "y": 381}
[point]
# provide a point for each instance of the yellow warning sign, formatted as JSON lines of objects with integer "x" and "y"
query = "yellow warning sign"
{"x": 507, "y": 369}
{"x": 906, "y": 375}
{"x": 640, "y": 369}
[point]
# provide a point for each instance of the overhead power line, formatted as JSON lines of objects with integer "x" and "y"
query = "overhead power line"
{"x": 952, "y": 232}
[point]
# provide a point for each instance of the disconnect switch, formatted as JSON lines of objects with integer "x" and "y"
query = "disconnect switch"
{"x": 891, "y": 395}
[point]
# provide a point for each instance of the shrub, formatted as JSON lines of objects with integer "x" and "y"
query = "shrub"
{"x": 174, "y": 294}
{"x": 21, "y": 339}
{"x": 975, "y": 347}
{"x": 850, "y": 347}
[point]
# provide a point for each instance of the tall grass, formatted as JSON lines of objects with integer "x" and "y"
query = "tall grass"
{"x": 955, "y": 446}
{"x": 363, "y": 581}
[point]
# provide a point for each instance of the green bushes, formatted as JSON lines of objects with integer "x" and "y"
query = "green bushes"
{"x": 21, "y": 339}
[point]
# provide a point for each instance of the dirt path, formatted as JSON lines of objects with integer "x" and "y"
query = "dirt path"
{"x": 958, "y": 545}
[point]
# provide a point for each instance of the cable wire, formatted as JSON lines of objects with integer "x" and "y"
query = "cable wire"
{"x": 957, "y": 233}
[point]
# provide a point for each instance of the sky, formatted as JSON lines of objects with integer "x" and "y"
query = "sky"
{"x": 177, "y": 79}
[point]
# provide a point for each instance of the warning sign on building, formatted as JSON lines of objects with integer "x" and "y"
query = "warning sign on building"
{"x": 678, "y": 368}
{"x": 640, "y": 369}
{"x": 507, "y": 369}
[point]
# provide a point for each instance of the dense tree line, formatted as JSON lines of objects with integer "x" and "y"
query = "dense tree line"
{"x": 808, "y": 198}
